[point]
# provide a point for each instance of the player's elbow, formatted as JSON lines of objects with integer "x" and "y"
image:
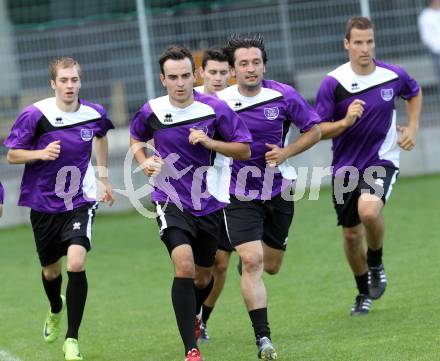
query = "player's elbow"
{"x": 317, "y": 134}
{"x": 324, "y": 131}
{"x": 11, "y": 159}
{"x": 244, "y": 153}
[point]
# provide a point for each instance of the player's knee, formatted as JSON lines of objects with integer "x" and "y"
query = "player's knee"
{"x": 75, "y": 265}
{"x": 202, "y": 279}
{"x": 352, "y": 238}
{"x": 185, "y": 269}
{"x": 272, "y": 268}
{"x": 50, "y": 274}
{"x": 221, "y": 268}
{"x": 221, "y": 271}
{"x": 369, "y": 214}
{"x": 252, "y": 262}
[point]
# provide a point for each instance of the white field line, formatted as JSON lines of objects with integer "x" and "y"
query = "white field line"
{"x": 6, "y": 356}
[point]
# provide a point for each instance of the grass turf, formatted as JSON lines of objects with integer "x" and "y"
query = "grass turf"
{"x": 129, "y": 316}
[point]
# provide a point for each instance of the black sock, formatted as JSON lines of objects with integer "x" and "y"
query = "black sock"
{"x": 202, "y": 294}
{"x": 374, "y": 258}
{"x": 362, "y": 283}
{"x": 260, "y": 323}
{"x": 53, "y": 291}
{"x": 76, "y": 295}
{"x": 184, "y": 304}
{"x": 206, "y": 312}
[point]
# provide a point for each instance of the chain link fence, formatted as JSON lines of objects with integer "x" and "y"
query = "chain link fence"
{"x": 303, "y": 39}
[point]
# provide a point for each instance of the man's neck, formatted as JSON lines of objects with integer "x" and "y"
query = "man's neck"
{"x": 359, "y": 70}
{"x": 249, "y": 91}
{"x": 67, "y": 107}
{"x": 182, "y": 105}
{"x": 206, "y": 91}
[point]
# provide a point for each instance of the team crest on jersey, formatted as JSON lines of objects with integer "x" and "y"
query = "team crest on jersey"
{"x": 86, "y": 134}
{"x": 271, "y": 113}
{"x": 387, "y": 94}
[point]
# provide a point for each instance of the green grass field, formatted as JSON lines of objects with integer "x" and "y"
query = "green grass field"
{"x": 129, "y": 316}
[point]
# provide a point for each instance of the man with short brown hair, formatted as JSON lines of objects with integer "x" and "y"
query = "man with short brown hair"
{"x": 356, "y": 104}
{"x": 183, "y": 124}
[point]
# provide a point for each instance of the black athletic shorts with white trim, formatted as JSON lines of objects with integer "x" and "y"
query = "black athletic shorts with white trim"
{"x": 346, "y": 203}
{"x": 202, "y": 233}
{"x": 268, "y": 220}
{"x": 55, "y": 232}
{"x": 224, "y": 244}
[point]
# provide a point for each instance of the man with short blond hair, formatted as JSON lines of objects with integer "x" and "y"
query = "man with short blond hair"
{"x": 53, "y": 138}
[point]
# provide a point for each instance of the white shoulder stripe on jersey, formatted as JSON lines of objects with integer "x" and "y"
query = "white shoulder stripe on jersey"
{"x": 168, "y": 114}
{"x": 355, "y": 83}
{"x": 58, "y": 118}
{"x": 237, "y": 102}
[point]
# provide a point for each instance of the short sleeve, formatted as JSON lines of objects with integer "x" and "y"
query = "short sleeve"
{"x": 140, "y": 128}
{"x": 23, "y": 131}
{"x": 104, "y": 125}
{"x": 231, "y": 127}
{"x": 300, "y": 112}
{"x": 2, "y": 193}
{"x": 409, "y": 86}
{"x": 325, "y": 100}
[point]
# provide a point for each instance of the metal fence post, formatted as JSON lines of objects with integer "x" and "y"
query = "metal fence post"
{"x": 145, "y": 45}
{"x": 287, "y": 39}
{"x": 365, "y": 8}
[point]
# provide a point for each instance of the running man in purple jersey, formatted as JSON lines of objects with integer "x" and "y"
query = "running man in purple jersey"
{"x": 356, "y": 104}
{"x": 215, "y": 71}
{"x": 260, "y": 213}
{"x": 2, "y": 198}
{"x": 190, "y": 130}
{"x": 53, "y": 138}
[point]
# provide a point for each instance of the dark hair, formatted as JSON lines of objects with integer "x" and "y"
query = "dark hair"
{"x": 358, "y": 22}
{"x": 237, "y": 41}
{"x": 64, "y": 63}
{"x": 176, "y": 52}
{"x": 216, "y": 53}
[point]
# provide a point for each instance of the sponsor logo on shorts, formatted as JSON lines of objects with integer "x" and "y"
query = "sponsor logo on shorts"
{"x": 86, "y": 134}
{"x": 77, "y": 226}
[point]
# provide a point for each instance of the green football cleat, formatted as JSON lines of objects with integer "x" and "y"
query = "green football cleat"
{"x": 71, "y": 350}
{"x": 51, "y": 329}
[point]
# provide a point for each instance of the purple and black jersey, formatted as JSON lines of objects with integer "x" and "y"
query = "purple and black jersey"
{"x": 47, "y": 185}
{"x": 188, "y": 177}
{"x": 372, "y": 139}
{"x": 270, "y": 116}
{"x": 2, "y": 193}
